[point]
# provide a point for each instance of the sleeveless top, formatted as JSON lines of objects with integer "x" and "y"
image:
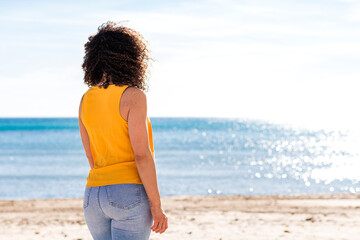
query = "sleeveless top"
{"x": 114, "y": 160}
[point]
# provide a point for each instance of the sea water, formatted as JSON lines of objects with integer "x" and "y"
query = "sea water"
{"x": 44, "y": 158}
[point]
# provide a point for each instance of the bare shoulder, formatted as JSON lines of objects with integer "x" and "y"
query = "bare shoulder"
{"x": 133, "y": 95}
{"x": 81, "y": 101}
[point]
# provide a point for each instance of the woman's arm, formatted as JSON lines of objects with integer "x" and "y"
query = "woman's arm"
{"x": 138, "y": 132}
{"x": 85, "y": 138}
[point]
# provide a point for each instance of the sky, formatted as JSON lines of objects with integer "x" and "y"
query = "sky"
{"x": 293, "y": 62}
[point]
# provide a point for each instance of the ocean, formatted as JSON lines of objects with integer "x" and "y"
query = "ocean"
{"x": 44, "y": 158}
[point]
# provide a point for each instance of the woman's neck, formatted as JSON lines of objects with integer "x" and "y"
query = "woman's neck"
{"x": 102, "y": 83}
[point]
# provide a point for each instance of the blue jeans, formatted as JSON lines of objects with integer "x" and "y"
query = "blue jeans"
{"x": 118, "y": 212}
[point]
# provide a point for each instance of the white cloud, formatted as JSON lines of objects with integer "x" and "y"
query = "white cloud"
{"x": 355, "y": 13}
{"x": 43, "y": 92}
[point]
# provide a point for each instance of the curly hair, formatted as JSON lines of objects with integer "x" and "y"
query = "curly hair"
{"x": 118, "y": 54}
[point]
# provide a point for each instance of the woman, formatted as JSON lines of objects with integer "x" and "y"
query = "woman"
{"x": 121, "y": 199}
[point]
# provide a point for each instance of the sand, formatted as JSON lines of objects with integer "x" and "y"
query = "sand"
{"x": 200, "y": 217}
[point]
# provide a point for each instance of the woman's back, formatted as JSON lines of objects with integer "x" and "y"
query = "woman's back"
{"x": 114, "y": 160}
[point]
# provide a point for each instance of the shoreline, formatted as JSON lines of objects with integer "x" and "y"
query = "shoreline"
{"x": 225, "y": 217}
{"x": 296, "y": 195}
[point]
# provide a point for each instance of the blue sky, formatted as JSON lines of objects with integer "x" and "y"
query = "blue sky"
{"x": 284, "y": 61}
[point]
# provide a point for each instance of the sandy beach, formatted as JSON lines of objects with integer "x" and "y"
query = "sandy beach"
{"x": 200, "y": 217}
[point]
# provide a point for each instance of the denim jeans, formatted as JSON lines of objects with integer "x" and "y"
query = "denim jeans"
{"x": 118, "y": 212}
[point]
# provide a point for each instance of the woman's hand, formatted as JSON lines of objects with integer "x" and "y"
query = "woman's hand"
{"x": 160, "y": 219}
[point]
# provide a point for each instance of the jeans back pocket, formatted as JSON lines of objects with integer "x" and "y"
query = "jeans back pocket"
{"x": 124, "y": 196}
{"x": 86, "y": 197}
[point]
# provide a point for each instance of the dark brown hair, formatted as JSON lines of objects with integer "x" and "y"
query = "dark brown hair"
{"x": 116, "y": 54}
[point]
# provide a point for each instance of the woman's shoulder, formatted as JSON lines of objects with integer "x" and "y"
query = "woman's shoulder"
{"x": 134, "y": 93}
{"x": 134, "y": 98}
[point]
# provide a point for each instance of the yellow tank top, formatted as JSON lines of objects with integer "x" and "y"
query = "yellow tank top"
{"x": 114, "y": 160}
